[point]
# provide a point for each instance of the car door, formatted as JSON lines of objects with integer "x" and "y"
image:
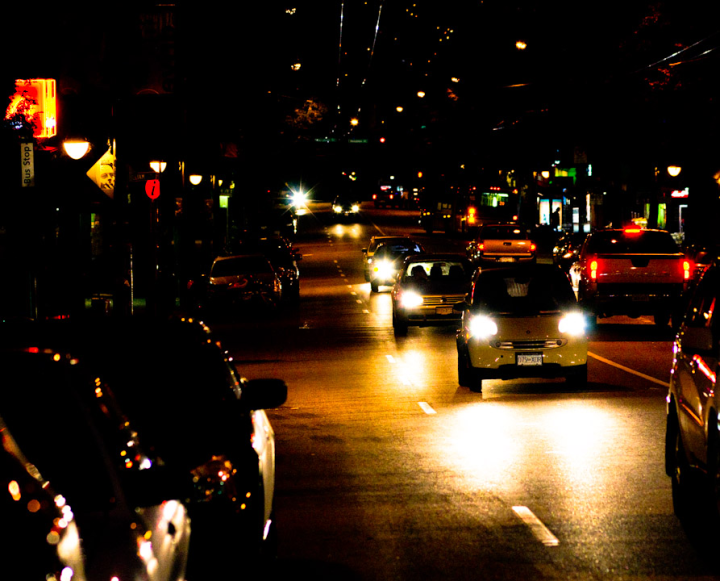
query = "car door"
{"x": 696, "y": 365}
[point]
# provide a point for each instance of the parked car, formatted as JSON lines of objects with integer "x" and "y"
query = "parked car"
{"x": 369, "y": 252}
{"x": 521, "y": 321}
{"x": 428, "y": 288}
{"x": 632, "y": 272}
{"x": 692, "y": 444}
{"x": 183, "y": 393}
{"x": 69, "y": 448}
{"x": 283, "y": 258}
{"x": 502, "y": 243}
{"x": 236, "y": 281}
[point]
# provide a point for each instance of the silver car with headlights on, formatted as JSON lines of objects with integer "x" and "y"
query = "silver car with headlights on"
{"x": 428, "y": 287}
{"x": 521, "y": 321}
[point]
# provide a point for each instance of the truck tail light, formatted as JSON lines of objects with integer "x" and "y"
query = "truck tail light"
{"x": 593, "y": 269}
{"x": 533, "y": 247}
{"x": 687, "y": 269}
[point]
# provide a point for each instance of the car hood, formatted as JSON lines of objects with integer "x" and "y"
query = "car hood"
{"x": 242, "y": 280}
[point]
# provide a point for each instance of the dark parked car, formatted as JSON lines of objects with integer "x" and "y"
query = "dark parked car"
{"x": 283, "y": 258}
{"x": 692, "y": 446}
{"x": 183, "y": 393}
{"x": 90, "y": 497}
{"x": 243, "y": 280}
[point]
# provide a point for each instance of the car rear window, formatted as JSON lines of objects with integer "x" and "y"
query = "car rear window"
{"x": 241, "y": 265}
{"x": 642, "y": 242}
{"x": 505, "y": 232}
{"x": 446, "y": 270}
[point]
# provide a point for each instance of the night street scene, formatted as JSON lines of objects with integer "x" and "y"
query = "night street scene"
{"x": 360, "y": 290}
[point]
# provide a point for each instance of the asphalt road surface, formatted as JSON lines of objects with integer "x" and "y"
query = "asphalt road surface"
{"x": 387, "y": 469}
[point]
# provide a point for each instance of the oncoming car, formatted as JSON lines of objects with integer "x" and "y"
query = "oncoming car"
{"x": 521, "y": 321}
{"x": 387, "y": 263}
{"x": 427, "y": 290}
{"x": 345, "y": 207}
{"x": 377, "y": 241}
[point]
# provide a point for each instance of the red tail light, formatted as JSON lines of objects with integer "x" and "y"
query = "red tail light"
{"x": 374, "y": 196}
{"x": 593, "y": 269}
{"x": 687, "y": 269}
{"x": 533, "y": 247}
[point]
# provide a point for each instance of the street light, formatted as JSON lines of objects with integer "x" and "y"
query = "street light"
{"x": 195, "y": 179}
{"x": 76, "y": 148}
{"x": 158, "y": 166}
{"x": 674, "y": 170}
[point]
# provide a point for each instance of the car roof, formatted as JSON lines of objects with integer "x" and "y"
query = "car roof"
{"x": 432, "y": 257}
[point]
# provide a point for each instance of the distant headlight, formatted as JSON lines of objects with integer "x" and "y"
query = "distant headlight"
{"x": 411, "y": 299}
{"x": 355, "y": 208}
{"x": 572, "y": 324}
{"x": 384, "y": 270}
{"x": 338, "y": 209}
{"x": 482, "y": 327}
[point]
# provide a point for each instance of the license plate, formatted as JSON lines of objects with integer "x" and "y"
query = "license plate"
{"x": 444, "y": 311}
{"x": 506, "y": 259}
{"x": 529, "y": 359}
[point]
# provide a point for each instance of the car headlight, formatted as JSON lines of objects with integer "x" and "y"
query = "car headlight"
{"x": 355, "y": 208}
{"x": 338, "y": 209}
{"x": 384, "y": 269}
{"x": 572, "y": 324}
{"x": 482, "y": 326}
{"x": 411, "y": 299}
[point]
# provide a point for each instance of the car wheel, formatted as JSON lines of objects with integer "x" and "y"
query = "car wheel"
{"x": 713, "y": 470}
{"x": 678, "y": 468}
{"x": 400, "y": 325}
{"x": 374, "y": 286}
{"x": 468, "y": 376}
{"x": 578, "y": 377}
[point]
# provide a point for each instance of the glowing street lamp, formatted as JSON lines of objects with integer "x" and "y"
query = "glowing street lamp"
{"x": 354, "y": 121}
{"x": 674, "y": 170}
{"x": 421, "y": 94}
{"x": 195, "y": 179}
{"x": 158, "y": 166}
{"x": 76, "y": 148}
{"x": 521, "y": 45}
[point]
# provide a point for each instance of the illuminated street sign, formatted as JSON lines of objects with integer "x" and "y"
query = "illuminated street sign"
{"x": 103, "y": 173}
{"x": 35, "y": 100}
{"x": 152, "y": 189}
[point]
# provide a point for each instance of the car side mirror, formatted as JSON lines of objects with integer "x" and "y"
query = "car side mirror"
{"x": 696, "y": 340}
{"x": 262, "y": 394}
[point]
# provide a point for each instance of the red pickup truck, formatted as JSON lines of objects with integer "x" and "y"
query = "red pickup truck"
{"x": 632, "y": 272}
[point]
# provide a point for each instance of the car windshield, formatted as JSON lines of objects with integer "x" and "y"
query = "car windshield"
{"x": 445, "y": 271}
{"x": 504, "y": 232}
{"x": 394, "y": 252}
{"x": 522, "y": 291}
{"x": 632, "y": 242}
{"x": 240, "y": 265}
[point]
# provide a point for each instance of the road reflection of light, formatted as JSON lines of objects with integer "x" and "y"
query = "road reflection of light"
{"x": 342, "y": 231}
{"x": 579, "y": 435}
{"x": 490, "y": 443}
{"x": 381, "y": 303}
{"x": 411, "y": 369}
{"x": 482, "y": 442}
